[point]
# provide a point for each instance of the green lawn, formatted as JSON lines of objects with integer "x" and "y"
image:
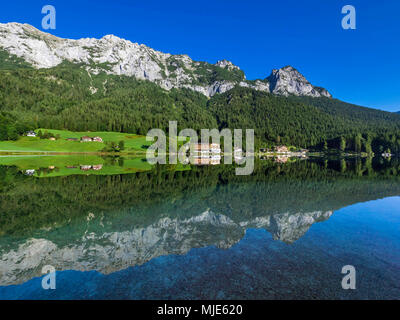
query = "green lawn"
{"x": 133, "y": 142}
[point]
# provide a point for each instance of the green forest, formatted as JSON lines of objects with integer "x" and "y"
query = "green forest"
{"x": 67, "y": 97}
{"x": 30, "y": 205}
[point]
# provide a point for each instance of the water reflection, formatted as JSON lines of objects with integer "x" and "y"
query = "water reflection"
{"x": 109, "y": 223}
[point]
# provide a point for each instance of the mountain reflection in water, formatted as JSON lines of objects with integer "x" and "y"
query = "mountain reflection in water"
{"x": 110, "y": 223}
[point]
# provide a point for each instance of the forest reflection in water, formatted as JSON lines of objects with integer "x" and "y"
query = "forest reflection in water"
{"x": 111, "y": 222}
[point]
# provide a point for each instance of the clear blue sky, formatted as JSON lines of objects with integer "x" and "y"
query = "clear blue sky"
{"x": 360, "y": 66}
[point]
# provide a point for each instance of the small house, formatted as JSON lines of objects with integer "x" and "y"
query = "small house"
{"x": 215, "y": 148}
{"x": 204, "y": 149}
{"x": 31, "y": 134}
{"x": 86, "y": 139}
{"x": 97, "y": 167}
{"x": 52, "y": 139}
{"x": 97, "y": 139}
{"x": 201, "y": 147}
{"x": 30, "y": 172}
{"x": 85, "y": 167}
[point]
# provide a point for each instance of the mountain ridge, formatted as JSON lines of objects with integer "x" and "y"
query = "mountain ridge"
{"x": 118, "y": 56}
{"x": 87, "y": 95}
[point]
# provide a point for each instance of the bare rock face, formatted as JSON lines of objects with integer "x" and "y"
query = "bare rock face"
{"x": 288, "y": 81}
{"x": 226, "y": 65}
{"x": 220, "y": 87}
{"x": 256, "y": 85}
{"x": 117, "y": 56}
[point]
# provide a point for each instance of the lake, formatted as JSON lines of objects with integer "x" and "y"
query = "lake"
{"x": 119, "y": 228}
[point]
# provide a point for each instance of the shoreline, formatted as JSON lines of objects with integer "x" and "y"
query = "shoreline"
{"x": 143, "y": 153}
{"x": 61, "y": 153}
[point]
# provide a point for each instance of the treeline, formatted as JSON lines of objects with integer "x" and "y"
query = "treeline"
{"x": 68, "y": 97}
{"x": 317, "y": 123}
{"x": 61, "y": 98}
{"x": 11, "y": 128}
{"x": 367, "y": 143}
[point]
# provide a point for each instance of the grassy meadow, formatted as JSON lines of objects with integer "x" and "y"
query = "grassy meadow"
{"x": 133, "y": 143}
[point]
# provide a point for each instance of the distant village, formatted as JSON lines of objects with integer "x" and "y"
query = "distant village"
{"x": 81, "y": 139}
{"x": 210, "y": 154}
{"x": 283, "y": 150}
{"x": 201, "y": 154}
{"x": 207, "y": 151}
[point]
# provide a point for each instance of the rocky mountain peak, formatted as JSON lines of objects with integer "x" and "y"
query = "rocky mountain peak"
{"x": 111, "y": 37}
{"x": 288, "y": 81}
{"x": 117, "y": 56}
{"x": 226, "y": 64}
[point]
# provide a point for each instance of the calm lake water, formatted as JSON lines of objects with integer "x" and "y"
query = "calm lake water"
{"x": 133, "y": 231}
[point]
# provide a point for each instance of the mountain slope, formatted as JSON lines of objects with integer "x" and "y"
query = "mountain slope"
{"x": 68, "y": 97}
{"x": 301, "y": 121}
{"x": 121, "y": 57}
{"x": 82, "y": 93}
